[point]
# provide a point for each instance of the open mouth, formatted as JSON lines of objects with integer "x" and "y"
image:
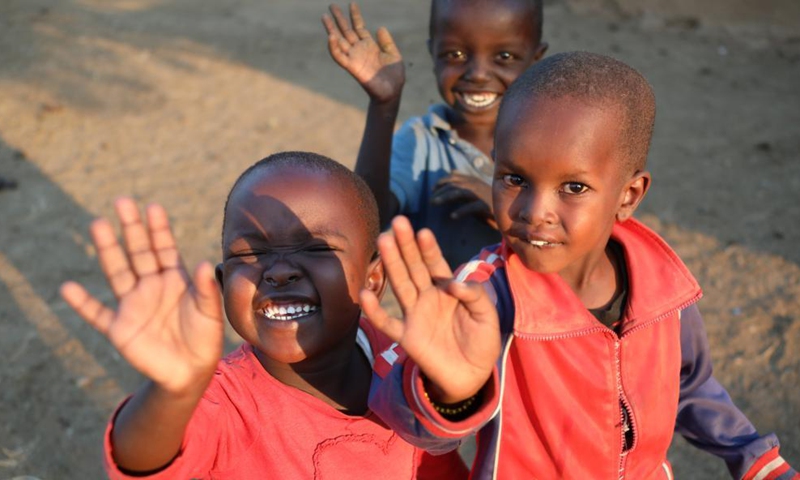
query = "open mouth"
{"x": 479, "y": 100}
{"x": 544, "y": 244}
{"x": 288, "y": 311}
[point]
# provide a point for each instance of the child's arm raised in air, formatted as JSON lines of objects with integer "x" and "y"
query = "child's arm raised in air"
{"x": 450, "y": 329}
{"x": 378, "y": 68}
{"x": 166, "y": 326}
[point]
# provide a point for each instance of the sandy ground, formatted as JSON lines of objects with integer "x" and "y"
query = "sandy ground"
{"x": 168, "y": 100}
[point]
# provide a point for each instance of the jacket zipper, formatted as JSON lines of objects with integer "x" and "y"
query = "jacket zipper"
{"x": 626, "y": 413}
{"x": 626, "y": 416}
{"x": 624, "y": 404}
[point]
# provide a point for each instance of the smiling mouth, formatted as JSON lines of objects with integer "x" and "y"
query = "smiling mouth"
{"x": 288, "y": 312}
{"x": 479, "y": 100}
{"x": 543, "y": 244}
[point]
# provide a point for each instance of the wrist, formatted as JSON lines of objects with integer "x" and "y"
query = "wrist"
{"x": 438, "y": 396}
{"x": 389, "y": 105}
{"x": 457, "y": 410}
{"x": 191, "y": 387}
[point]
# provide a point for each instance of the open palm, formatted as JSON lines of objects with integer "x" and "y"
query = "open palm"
{"x": 164, "y": 326}
{"x": 450, "y": 329}
{"x": 377, "y": 66}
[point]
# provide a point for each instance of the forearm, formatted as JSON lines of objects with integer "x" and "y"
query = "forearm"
{"x": 149, "y": 429}
{"x": 374, "y": 156}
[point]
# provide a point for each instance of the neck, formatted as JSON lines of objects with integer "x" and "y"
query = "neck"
{"x": 595, "y": 282}
{"x": 478, "y": 133}
{"x": 341, "y": 379}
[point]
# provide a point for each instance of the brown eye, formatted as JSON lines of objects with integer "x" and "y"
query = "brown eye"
{"x": 506, "y": 56}
{"x": 574, "y": 188}
{"x": 454, "y": 55}
{"x": 511, "y": 180}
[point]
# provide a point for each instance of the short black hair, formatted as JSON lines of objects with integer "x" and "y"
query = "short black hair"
{"x": 536, "y": 8}
{"x": 366, "y": 205}
{"x": 597, "y": 79}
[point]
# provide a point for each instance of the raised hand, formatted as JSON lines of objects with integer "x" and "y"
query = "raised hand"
{"x": 470, "y": 195}
{"x": 166, "y": 327}
{"x": 377, "y": 66}
{"x": 450, "y": 329}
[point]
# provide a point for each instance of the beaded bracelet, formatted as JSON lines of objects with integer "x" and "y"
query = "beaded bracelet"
{"x": 453, "y": 410}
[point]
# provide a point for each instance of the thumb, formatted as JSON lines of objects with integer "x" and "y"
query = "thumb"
{"x": 476, "y": 207}
{"x": 377, "y": 316}
{"x": 207, "y": 295}
{"x": 386, "y": 42}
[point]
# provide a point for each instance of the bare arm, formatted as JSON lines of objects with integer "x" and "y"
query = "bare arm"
{"x": 166, "y": 326}
{"x": 378, "y": 68}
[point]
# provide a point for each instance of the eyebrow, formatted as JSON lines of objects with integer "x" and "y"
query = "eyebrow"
{"x": 252, "y": 237}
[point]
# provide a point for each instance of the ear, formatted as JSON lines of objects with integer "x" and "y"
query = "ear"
{"x": 541, "y": 49}
{"x": 632, "y": 194}
{"x": 376, "y": 277}
{"x": 218, "y": 274}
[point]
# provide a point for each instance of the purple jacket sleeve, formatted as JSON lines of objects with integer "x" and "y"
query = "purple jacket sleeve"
{"x": 707, "y": 417}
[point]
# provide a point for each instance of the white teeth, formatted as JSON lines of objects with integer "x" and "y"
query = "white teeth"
{"x": 288, "y": 312}
{"x": 541, "y": 243}
{"x": 479, "y": 100}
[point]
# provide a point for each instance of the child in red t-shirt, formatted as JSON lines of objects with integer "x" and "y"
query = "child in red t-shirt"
{"x": 298, "y": 242}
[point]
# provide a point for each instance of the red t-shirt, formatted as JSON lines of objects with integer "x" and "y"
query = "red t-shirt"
{"x": 248, "y": 425}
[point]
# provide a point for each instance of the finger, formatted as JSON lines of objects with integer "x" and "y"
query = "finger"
{"x": 207, "y": 296}
{"x": 432, "y": 255}
{"x": 407, "y": 243}
{"x": 140, "y": 251}
{"x": 112, "y": 258}
{"x": 475, "y": 299}
{"x": 386, "y": 42}
{"x": 377, "y": 316}
{"x": 89, "y": 308}
{"x": 338, "y": 47}
{"x": 477, "y": 207}
{"x": 161, "y": 237}
{"x": 330, "y": 27}
{"x": 343, "y": 24}
{"x": 451, "y": 194}
{"x": 404, "y": 289}
{"x": 358, "y": 22}
{"x": 453, "y": 178}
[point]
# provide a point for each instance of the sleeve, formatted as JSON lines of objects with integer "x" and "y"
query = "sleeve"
{"x": 193, "y": 461}
{"x": 448, "y": 466}
{"x": 709, "y": 420}
{"x": 398, "y": 398}
{"x": 397, "y": 394}
{"x": 410, "y": 151}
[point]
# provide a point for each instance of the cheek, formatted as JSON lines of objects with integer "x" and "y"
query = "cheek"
{"x": 239, "y": 288}
{"x": 502, "y": 202}
{"x": 445, "y": 76}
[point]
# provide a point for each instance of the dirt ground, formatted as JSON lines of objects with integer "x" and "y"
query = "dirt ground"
{"x": 168, "y": 100}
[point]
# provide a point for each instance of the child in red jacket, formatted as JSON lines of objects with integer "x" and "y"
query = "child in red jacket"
{"x": 602, "y": 351}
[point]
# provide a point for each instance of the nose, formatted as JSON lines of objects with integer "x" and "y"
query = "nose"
{"x": 477, "y": 70}
{"x": 537, "y": 208}
{"x": 281, "y": 272}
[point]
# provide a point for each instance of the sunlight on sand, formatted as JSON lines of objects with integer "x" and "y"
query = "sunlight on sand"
{"x": 75, "y": 359}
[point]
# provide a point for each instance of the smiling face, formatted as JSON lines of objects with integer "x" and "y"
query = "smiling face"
{"x": 478, "y": 49}
{"x": 559, "y": 183}
{"x": 295, "y": 256}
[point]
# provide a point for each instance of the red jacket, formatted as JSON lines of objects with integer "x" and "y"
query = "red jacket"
{"x": 567, "y": 387}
